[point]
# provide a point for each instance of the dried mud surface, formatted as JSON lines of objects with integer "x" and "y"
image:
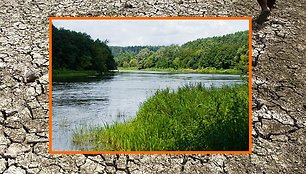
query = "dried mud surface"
{"x": 279, "y": 90}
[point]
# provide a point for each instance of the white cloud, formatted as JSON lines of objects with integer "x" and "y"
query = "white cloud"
{"x": 152, "y": 32}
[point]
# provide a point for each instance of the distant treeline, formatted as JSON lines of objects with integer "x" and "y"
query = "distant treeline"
{"x": 117, "y": 50}
{"x": 78, "y": 51}
{"x": 223, "y": 52}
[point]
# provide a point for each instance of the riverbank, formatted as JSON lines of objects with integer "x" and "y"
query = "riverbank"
{"x": 85, "y": 73}
{"x": 191, "y": 118}
{"x": 81, "y": 75}
{"x": 73, "y": 73}
{"x": 201, "y": 70}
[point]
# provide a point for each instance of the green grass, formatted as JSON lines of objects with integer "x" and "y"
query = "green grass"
{"x": 200, "y": 70}
{"x": 190, "y": 118}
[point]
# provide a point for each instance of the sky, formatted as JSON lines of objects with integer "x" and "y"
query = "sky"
{"x": 152, "y": 32}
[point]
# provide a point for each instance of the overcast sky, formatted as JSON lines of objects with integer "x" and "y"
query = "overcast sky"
{"x": 152, "y": 32}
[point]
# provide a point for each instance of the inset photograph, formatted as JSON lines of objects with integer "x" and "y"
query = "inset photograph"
{"x": 150, "y": 85}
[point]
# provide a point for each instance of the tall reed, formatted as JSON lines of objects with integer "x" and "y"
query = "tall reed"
{"x": 191, "y": 118}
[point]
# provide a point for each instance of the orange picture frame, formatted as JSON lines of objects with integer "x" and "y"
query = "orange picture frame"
{"x": 152, "y": 18}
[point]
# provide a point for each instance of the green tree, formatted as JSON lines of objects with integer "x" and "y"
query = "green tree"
{"x": 77, "y": 51}
{"x": 133, "y": 62}
{"x": 125, "y": 64}
{"x": 223, "y": 52}
{"x": 141, "y": 56}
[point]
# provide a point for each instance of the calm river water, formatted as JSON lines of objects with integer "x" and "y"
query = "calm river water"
{"x": 96, "y": 101}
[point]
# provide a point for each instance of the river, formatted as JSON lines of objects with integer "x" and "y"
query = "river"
{"x": 92, "y": 101}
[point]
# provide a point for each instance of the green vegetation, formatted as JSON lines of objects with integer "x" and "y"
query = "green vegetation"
{"x": 78, "y": 52}
{"x": 73, "y": 73}
{"x": 75, "y": 51}
{"x": 191, "y": 118}
{"x": 117, "y": 50}
{"x": 208, "y": 70}
{"x": 219, "y": 53}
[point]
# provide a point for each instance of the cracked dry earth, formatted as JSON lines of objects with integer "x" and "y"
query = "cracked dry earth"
{"x": 279, "y": 105}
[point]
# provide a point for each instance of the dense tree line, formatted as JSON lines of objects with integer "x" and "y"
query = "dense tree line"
{"x": 117, "y": 50}
{"x": 223, "y": 52}
{"x": 78, "y": 51}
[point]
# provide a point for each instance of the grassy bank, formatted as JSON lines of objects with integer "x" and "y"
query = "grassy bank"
{"x": 191, "y": 118}
{"x": 73, "y": 73}
{"x": 201, "y": 70}
{"x": 76, "y": 76}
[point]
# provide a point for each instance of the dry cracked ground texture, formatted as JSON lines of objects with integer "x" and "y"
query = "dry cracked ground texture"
{"x": 279, "y": 74}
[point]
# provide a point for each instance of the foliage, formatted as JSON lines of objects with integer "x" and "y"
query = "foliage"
{"x": 223, "y": 52}
{"x": 208, "y": 70}
{"x": 77, "y": 51}
{"x": 191, "y": 118}
{"x": 133, "y": 50}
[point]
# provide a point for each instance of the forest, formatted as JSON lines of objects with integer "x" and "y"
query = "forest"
{"x": 78, "y": 51}
{"x": 117, "y": 50}
{"x": 220, "y": 52}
